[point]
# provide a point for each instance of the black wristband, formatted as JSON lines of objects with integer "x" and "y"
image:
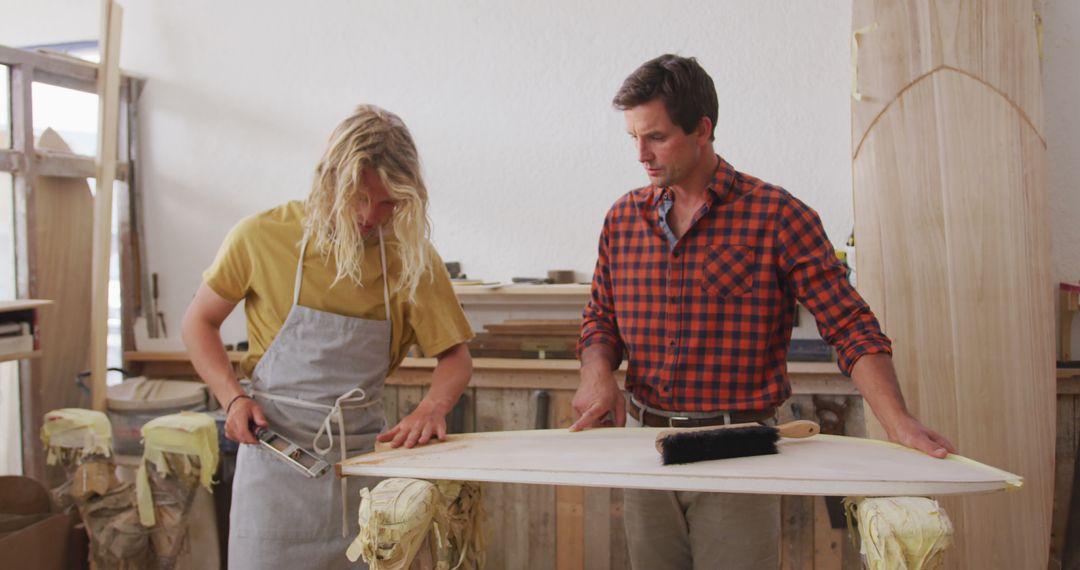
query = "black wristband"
{"x": 228, "y": 408}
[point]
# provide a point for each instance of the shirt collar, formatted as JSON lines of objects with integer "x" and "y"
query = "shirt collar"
{"x": 719, "y": 190}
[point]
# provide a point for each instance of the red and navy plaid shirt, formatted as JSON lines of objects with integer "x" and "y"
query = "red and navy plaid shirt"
{"x": 705, "y": 322}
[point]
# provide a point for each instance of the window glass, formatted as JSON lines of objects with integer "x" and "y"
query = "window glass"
{"x": 10, "y": 430}
{"x": 73, "y": 114}
{"x": 5, "y": 107}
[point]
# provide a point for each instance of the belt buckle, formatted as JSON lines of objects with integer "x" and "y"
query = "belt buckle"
{"x": 672, "y": 419}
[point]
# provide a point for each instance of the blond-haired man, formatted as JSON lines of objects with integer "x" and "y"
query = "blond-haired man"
{"x": 336, "y": 288}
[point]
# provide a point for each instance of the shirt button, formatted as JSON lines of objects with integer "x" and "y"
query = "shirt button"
{"x": 675, "y": 255}
{"x": 671, "y": 343}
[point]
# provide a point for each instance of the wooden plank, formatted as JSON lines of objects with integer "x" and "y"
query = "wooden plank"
{"x": 795, "y": 369}
{"x": 390, "y": 404}
{"x": 953, "y": 246}
{"x": 408, "y": 398}
{"x": 470, "y": 410}
{"x": 147, "y": 304}
{"x": 10, "y": 161}
{"x": 53, "y": 69}
{"x": 828, "y": 541}
{"x": 26, "y": 265}
{"x": 68, "y": 165}
{"x": 562, "y": 412}
{"x": 63, "y": 235}
{"x": 1070, "y": 552}
{"x": 570, "y": 539}
{"x": 1066, "y": 312}
{"x": 525, "y": 507}
{"x": 620, "y": 554}
{"x": 127, "y": 238}
{"x": 570, "y": 525}
{"x": 474, "y": 293}
{"x": 797, "y": 533}
{"x": 1064, "y": 465}
{"x": 542, "y": 526}
{"x": 596, "y": 529}
{"x": 489, "y": 406}
{"x": 20, "y": 355}
{"x": 520, "y": 518}
{"x": 8, "y": 305}
{"x": 108, "y": 124}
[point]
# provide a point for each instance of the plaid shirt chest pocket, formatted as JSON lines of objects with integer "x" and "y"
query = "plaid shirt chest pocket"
{"x": 728, "y": 270}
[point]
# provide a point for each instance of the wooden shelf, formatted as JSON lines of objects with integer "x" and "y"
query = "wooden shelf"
{"x": 22, "y": 304}
{"x": 19, "y": 355}
{"x": 524, "y": 296}
{"x": 514, "y": 364}
{"x": 524, "y": 364}
{"x": 171, "y": 356}
{"x": 13, "y": 305}
{"x": 569, "y": 289}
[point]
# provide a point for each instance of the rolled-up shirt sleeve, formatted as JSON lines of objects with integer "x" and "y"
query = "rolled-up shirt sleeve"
{"x": 808, "y": 262}
{"x": 599, "y": 325}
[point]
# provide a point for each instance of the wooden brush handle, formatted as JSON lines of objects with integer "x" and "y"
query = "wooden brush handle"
{"x": 795, "y": 429}
{"x": 798, "y": 429}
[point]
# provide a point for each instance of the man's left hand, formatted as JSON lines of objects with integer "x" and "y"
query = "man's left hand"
{"x": 910, "y": 432}
{"x": 417, "y": 428}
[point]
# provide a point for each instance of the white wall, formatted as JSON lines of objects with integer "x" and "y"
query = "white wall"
{"x": 1061, "y": 93}
{"x": 510, "y": 106}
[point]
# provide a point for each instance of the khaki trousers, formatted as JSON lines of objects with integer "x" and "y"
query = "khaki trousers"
{"x": 684, "y": 530}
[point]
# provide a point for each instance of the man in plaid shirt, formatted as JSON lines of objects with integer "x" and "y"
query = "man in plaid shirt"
{"x": 696, "y": 284}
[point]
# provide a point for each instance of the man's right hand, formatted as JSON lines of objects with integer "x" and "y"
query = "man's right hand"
{"x": 242, "y": 415}
{"x": 596, "y": 398}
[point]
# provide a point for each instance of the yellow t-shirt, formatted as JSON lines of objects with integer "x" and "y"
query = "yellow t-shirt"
{"x": 257, "y": 264}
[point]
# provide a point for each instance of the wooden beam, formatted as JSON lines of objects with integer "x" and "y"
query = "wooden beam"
{"x": 10, "y": 160}
{"x": 59, "y": 164}
{"x": 569, "y": 527}
{"x": 64, "y": 165}
{"x": 60, "y": 80}
{"x": 108, "y": 125}
{"x": 22, "y": 130}
{"x": 127, "y": 237}
{"x": 139, "y": 289}
{"x": 69, "y": 72}
{"x": 59, "y": 69}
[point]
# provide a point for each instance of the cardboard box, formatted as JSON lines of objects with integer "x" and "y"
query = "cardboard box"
{"x": 33, "y": 534}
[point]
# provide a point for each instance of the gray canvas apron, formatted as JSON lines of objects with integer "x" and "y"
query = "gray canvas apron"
{"x": 320, "y": 385}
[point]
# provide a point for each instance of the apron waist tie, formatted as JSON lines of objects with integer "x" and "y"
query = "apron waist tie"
{"x": 351, "y": 399}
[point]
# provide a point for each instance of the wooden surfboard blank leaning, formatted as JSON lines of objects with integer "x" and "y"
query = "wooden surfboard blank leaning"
{"x": 952, "y": 242}
{"x": 627, "y": 458}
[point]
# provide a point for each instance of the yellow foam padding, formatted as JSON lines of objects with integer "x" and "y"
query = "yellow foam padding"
{"x": 188, "y": 434}
{"x": 399, "y": 513}
{"x": 460, "y": 535}
{"x": 87, "y": 431}
{"x": 901, "y": 533}
{"x": 395, "y": 518}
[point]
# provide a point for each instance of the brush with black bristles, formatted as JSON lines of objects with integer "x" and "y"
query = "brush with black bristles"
{"x": 690, "y": 445}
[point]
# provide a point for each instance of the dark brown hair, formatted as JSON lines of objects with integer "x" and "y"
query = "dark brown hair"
{"x": 687, "y": 91}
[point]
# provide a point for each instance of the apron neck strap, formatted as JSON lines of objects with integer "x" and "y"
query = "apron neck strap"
{"x": 385, "y": 280}
{"x": 382, "y": 260}
{"x": 299, "y": 270}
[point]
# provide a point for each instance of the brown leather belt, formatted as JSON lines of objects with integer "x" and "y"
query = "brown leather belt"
{"x": 675, "y": 420}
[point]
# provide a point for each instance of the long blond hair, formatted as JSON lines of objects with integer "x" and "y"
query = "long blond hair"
{"x": 377, "y": 139}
